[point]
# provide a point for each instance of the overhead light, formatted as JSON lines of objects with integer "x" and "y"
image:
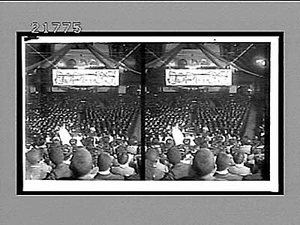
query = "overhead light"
{"x": 261, "y": 62}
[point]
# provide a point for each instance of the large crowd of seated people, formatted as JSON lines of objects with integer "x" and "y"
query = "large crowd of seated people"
{"x": 109, "y": 114}
{"x": 85, "y": 137}
{"x": 230, "y": 113}
{"x": 192, "y": 111}
{"x": 215, "y": 149}
{"x": 162, "y": 112}
{"x": 81, "y": 137}
{"x": 206, "y": 156}
{"x": 91, "y": 159}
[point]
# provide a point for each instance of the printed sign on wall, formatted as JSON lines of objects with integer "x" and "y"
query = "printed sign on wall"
{"x": 85, "y": 77}
{"x": 198, "y": 77}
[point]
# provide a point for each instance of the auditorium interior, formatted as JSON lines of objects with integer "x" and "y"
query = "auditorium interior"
{"x": 147, "y": 111}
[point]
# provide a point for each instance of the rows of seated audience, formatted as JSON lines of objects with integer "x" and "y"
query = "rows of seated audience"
{"x": 214, "y": 149}
{"x": 80, "y": 112}
{"x": 89, "y": 158}
{"x": 213, "y": 146}
{"x": 99, "y": 145}
{"x": 192, "y": 111}
{"x": 229, "y": 114}
{"x": 212, "y": 158}
{"x": 220, "y": 158}
{"x": 162, "y": 112}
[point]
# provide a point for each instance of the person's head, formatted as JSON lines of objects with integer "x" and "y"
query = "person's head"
{"x": 133, "y": 141}
{"x": 34, "y": 156}
{"x": 203, "y": 145}
{"x": 203, "y": 162}
{"x": 152, "y": 155}
{"x": 81, "y": 162}
{"x": 123, "y": 158}
{"x": 155, "y": 141}
{"x": 104, "y": 161}
{"x": 67, "y": 151}
{"x": 40, "y": 141}
{"x": 56, "y": 140}
{"x": 239, "y": 157}
{"x": 216, "y": 150}
{"x": 222, "y": 161}
{"x": 119, "y": 141}
{"x": 232, "y": 141}
{"x": 205, "y": 129}
{"x": 246, "y": 140}
{"x": 174, "y": 155}
{"x": 56, "y": 154}
{"x": 89, "y": 141}
{"x": 93, "y": 130}
{"x": 170, "y": 141}
{"x": 234, "y": 150}
{"x": 73, "y": 142}
{"x": 105, "y": 139}
{"x": 199, "y": 141}
{"x": 186, "y": 141}
{"x": 132, "y": 149}
{"x": 120, "y": 149}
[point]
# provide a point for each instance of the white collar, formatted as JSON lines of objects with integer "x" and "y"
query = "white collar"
{"x": 106, "y": 172}
{"x": 86, "y": 177}
{"x": 239, "y": 165}
{"x": 35, "y": 166}
{"x": 124, "y": 166}
{"x": 223, "y": 172}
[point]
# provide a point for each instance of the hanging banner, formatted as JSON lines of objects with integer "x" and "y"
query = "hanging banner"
{"x": 85, "y": 77}
{"x": 198, "y": 77}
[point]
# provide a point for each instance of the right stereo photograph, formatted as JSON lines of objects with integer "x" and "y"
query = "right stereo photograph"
{"x": 212, "y": 112}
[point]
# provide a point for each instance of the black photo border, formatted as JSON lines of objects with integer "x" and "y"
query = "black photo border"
{"x": 19, "y": 109}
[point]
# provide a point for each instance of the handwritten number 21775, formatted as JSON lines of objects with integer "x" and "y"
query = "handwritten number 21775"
{"x": 55, "y": 27}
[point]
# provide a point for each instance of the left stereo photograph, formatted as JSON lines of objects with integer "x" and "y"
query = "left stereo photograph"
{"x": 79, "y": 113}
